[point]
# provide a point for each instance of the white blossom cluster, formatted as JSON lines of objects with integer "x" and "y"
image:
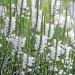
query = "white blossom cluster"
{"x": 55, "y": 6}
{"x": 40, "y": 43}
{"x": 69, "y": 63}
{"x": 56, "y": 52}
{"x": 39, "y": 21}
{"x": 16, "y": 41}
{"x": 6, "y": 27}
{"x": 63, "y": 19}
{"x": 51, "y": 30}
{"x": 71, "y": 35}
{"x": 2, "y": 11}
{"x": 37, "y": 42}
{"x": 34, "y": 16}
{"x": 34, "y": 13}
{"x": 21, "y": 5}
{"x": 66, "y": 62}
{"x": 12, "y": 25}
{"x": 59, "y": 18}
{"x": 69, "y": 21}
{"x": 13, "y": 8}
{"x": 27, "y": 60}
{"x": 72, "y": 9}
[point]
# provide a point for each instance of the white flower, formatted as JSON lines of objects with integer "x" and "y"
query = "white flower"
{"x": 55, "y": 68}
{"x": 13, "y": 8}
{"x": 71, "y": 35}
{"x": 60, "y": 72}
{"x": 52, "y": 30}
{"x": 37, "y": 37}
{"x": 52, "y": 54}
{"x": 62, "y": 60}
{"x": 69, "y": 21}
{"x": 6, "y": 27}
{"x": 62, "y": 21}
{"x": 31, "y": 60}
{"x": 12, "y": 5}
{"x": 33, "y": 3}
{"x": 54, "y": 42}
{"x": 49, "y": 43}
{"x": 33, "y": 18}
{"x": 2, "y": 11}
{"x": 24, "y": 5}
{"x": 41, "y": 51}
{"x": 21, "y": 41}
{"x": 39, "y": 21}
{"x": 33, "y": 15}
{"x": 43, "y": 43}
{"x": 46, "y": 29}
{"x": 16, "y": 41}
{"x": 13, "y": 24}
{"x": 56, "y": 19}
{"x": 24, "y": 60}
{"x": 57, "y": 4}
{"x": 57, "y": 59}
{"x": 29, "y": 70}
{"x": 52, "y": 3}
{"x": 72, "y": 9}
{"x": 59, "y": 49}
{"x": 68, "y": 50}
{"x": 13, "y": 52}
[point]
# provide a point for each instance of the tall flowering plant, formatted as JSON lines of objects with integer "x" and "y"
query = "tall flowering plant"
{"x": 37, "y": 37}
